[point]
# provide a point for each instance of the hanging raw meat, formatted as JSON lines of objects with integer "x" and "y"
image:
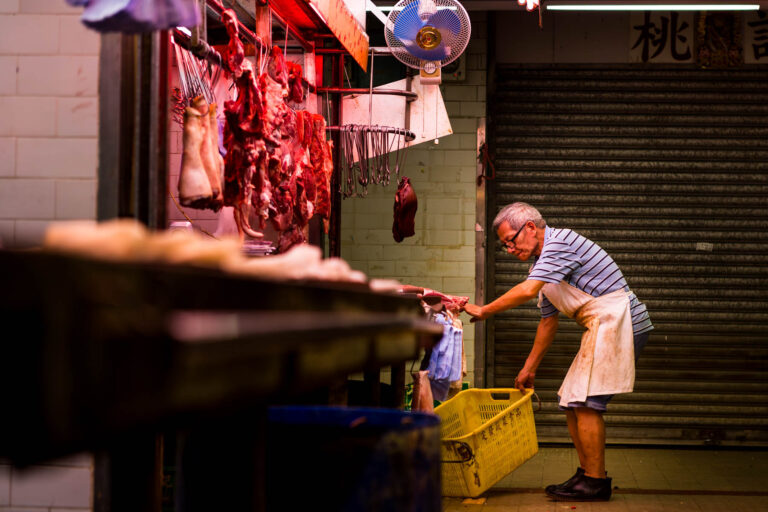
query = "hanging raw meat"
{"x": 234, "y": 56}
{"x": 302, "y": 208}
{"x": 304, "y": 161}
{"x": 295, "y": 86}
{"x": 282, "y": 213}
{"x": 278, "y": 164}
{"x": 274, "y": 107}
{"x": 405, "y": 210}
{"x": 258, "y": 191}
{"x": 322, "y": 168}
{"x": 276, "y": 66}
{"x": 213, "y": 132}
{"x": 233, "y": 163}
{"x": 246, "y": 187}
{"x": 247, "y": 108}
{"x": 293, "y": 236}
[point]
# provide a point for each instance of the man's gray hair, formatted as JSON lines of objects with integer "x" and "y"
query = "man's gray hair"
{"x": 517, "y": 214}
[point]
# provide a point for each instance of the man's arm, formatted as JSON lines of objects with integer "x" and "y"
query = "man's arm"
{"x": 545, "y": 333}
{"x": 518, "y": 294}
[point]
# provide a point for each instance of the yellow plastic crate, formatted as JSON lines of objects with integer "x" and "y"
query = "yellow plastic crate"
{"x": 486, "y": 434}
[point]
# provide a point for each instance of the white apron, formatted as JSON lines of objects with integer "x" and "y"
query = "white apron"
{"x": 605, "y": 363}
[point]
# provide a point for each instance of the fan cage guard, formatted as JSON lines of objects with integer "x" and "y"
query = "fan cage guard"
{"x": 458, "y": 42}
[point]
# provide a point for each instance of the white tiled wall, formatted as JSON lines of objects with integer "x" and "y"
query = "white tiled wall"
{"x": 49, "y": 127}
{"x": 48, "y": 163}
{"x": 58, "y": 486}
{"x": 441, "y": 255}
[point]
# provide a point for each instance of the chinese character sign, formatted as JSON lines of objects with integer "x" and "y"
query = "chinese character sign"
{"x": 661, "y": 37}
{"x": 756, "y": 37}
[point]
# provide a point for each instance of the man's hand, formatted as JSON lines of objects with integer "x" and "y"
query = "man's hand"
{"x": 524, "y": 380}
{"x": 476, "y": 312}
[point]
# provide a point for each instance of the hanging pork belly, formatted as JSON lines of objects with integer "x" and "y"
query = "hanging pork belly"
{"x": 201, "y": 164}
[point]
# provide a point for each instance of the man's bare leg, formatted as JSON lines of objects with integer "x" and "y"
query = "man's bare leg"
{"x": 573, "y": 430}
{"x": 590, "y": 428}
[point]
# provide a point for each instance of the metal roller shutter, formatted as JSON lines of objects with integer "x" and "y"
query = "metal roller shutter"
{"x": 666, "y": 169}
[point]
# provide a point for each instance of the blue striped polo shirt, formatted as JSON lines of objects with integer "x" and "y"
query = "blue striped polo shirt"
{"x": 566, "y": 255}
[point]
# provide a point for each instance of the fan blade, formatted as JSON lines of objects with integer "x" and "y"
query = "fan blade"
{"x": 438, "y": 53}
{"x": 408, "y": 24}
{"x": 444, "y": 20}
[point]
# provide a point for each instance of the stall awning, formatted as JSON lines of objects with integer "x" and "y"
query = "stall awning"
{"x": 324, "y": 15}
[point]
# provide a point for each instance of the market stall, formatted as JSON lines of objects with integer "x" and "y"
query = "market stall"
{"x": 161, "y": 333}
{"x": 138, "y": 349}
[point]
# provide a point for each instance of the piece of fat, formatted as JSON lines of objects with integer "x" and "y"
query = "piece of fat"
{"x": 115, "y": 239}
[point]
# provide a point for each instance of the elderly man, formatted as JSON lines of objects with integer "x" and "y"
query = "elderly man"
{"x": 573, "y": 275}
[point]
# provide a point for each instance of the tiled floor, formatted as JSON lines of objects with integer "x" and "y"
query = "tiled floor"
{"x": 691, "y": 480}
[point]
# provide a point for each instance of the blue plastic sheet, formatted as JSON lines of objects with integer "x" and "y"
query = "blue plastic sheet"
{"x": 445, "y": 361}
{"x": 136, "y": 16}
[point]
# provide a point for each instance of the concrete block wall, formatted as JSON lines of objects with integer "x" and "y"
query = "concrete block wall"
{"x": 441, "y": 255}
{"x": 49, "y": 127}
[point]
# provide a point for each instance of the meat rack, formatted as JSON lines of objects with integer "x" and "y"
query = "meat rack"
{"x": 408, "y": 134}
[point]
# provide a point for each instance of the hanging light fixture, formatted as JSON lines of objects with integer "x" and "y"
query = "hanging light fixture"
{"x": 529, "y": 4}
{"x": 649, "y": 5}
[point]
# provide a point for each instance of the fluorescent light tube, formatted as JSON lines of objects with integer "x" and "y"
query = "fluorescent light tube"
{"x": 653, "y": 7}
{"x": 388, "y": 8}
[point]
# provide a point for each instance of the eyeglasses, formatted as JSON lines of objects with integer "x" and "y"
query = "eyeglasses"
{"x": 510, "y": 244}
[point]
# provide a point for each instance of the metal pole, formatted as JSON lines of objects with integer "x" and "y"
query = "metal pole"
{"x": 334, "y": 231}
{"x": 370, "y": 95}
{"x": 117, "y": 80}
{"x": 347, "y": 90}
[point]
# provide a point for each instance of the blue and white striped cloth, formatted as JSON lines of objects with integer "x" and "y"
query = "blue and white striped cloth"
{"x": 567, "y": 255}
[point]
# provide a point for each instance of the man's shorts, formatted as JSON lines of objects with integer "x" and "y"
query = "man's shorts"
{"x": 600, "y": 402}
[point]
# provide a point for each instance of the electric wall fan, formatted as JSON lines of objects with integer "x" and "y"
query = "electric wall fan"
{"x": 427, "y": 35}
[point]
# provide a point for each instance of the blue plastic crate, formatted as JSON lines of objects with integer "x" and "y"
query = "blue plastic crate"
{"x": 353, "y": 459}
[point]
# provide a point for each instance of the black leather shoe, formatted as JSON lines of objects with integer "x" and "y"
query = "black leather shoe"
{"x": 585, "y": 489}
{"x": 567, "y": 484}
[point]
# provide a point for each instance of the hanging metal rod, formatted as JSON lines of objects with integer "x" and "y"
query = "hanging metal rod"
{"x": 342, "y": 90}
{"x": 409, "y": 135}
{"x": 383, "y": 50}
{"x": 202, "y": 51}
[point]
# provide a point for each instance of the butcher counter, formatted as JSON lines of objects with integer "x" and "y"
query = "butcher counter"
{"x": 106, "y": 356}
